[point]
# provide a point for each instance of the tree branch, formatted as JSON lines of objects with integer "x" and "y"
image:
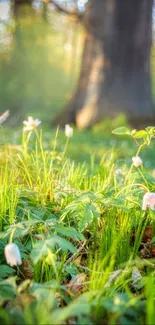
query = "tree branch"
{"x": 75, "y": 13}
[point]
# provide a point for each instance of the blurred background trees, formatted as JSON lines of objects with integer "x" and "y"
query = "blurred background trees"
{"x": 40, "y": 51}
{"x": 93, "y": 55}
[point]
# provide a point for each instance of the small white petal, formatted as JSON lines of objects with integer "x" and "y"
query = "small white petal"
{"x": 30, "y": 119}
{"x": 25, "y": 122}
{"x": 4, "y": 116}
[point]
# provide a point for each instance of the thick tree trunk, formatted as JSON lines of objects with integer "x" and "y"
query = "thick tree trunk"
{"x": 68, "y": 114}
{"x": 115, "y": 73}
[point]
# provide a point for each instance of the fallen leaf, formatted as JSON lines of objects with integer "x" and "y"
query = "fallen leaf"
{"x": 76, "y": 287}
{"x": 147, "y": 234}
{"x": 27, "y": 269}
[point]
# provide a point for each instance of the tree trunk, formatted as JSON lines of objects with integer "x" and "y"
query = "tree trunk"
{"x": 20, "y": 9}
{"x": 115, "y": 72}
{"x": 18, "y": 4}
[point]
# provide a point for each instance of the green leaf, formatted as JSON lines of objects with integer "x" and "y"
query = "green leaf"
{"x": 71, "y": 269}
{"x": 41, "y": 249}
{"x": 91, "y": 212}
{"x": 133, "y": 132}
{"x": 152, "y": 241}
{"x": 19, "y": 231}
{"x": 7, "y": 289}
{"x": 64, "y": 244}
{"x": 121, "y": 131}
{"x": 5, "y": 270}
{"x": 38, "y": 251}
{"x": 24, "y": 286}
{"x": 117, "y": 203}
{"x": 80, "y": 306}
{"x": 53, "y": 284}
{"x": 142, "y": 134}
{"x": 69, "y": 232}
{"x": 150, "y": 130}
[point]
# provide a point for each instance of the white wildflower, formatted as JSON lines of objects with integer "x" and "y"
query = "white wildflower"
{"x": 149, "y": 201}
{"x": 31, "y": 124}
{"x": 4, "y": 116}
{"x": 137, "y": 161}
{"x": 12, "y": 255}
{"x": 68, "y": 131}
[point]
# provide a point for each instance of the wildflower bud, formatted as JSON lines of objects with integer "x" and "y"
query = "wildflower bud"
{"x": 68, "y": 131}
{"x": 12, "y": 255}
{"x": 137, "y": 161}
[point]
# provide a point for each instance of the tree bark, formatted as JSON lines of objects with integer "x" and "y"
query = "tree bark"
{"x": 115, "y": 72}
{"x": 20, "y": 9}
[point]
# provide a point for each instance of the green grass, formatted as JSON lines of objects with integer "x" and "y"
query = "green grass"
{"x": 79, "y": 226}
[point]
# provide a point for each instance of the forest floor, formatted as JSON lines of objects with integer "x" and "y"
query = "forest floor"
{"x": 76, "y": 210}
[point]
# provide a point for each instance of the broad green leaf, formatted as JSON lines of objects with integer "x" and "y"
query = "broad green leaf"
{"x": 71, "y": 269}
{"x": 24, "y": 286}
{"x": 69, "y": 232}
{"x": 152, "y": 241}
{"x": 150, "y": 129}
{"x": 91, "y": 212}
{"x": 45, "y": 295}
{"x": 19, "y": 231}
{"x": 117, "y": 203}
{"x": 142, "y": 134}
{"x": 38, "y": 251}
{"x": 133, "y": 132}
{"x": 7, "y": 289}
{"x": 5, "y": 270}
{"x": 80, "y": 306}
{"x": 64, "y": 244}
{"x": 122, "y": 130}
{"x": 41, "y": 249}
